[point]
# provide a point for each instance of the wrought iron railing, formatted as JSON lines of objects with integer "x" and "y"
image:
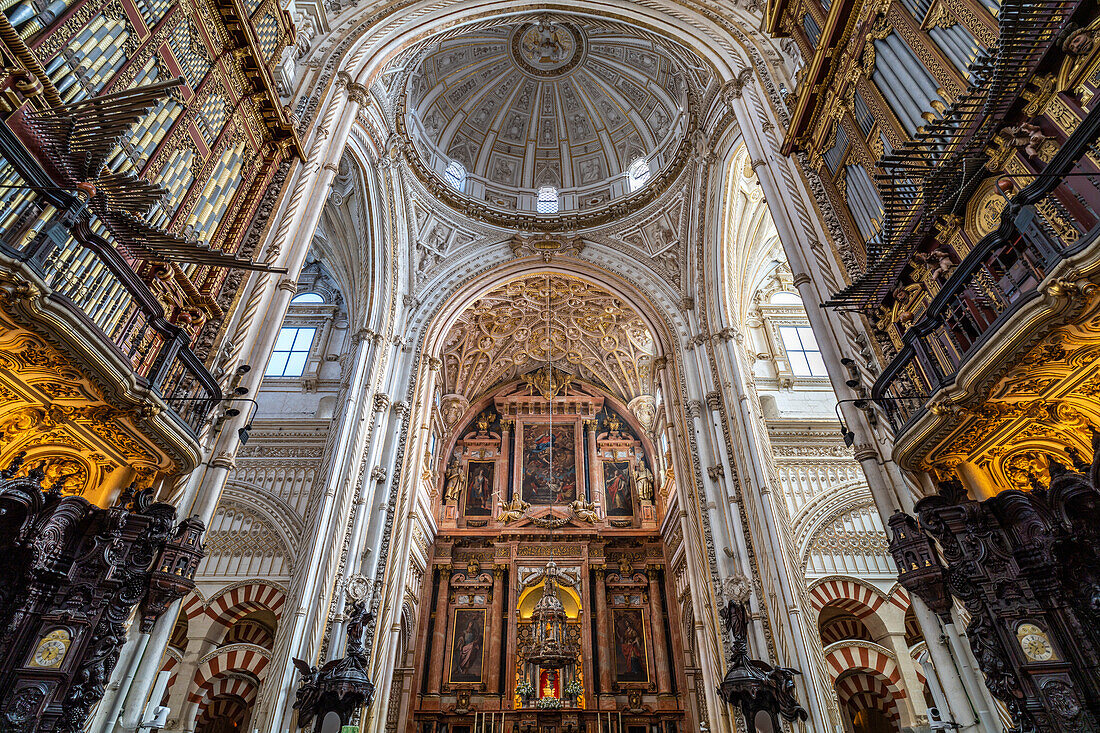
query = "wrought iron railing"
{"x": 68, "y": 248}
{"x": 1056, "y": 216}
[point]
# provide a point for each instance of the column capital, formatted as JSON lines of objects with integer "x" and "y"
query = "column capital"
{"x": 224, "y": 460}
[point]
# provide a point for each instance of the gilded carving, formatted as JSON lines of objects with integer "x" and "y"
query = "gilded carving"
{"x": 593, "y": 335}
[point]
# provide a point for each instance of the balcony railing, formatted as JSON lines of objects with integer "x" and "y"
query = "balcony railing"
{"x": 1055, "y": 217}
{"x": 68, "y": 248}
{"x": 927, "y": 177}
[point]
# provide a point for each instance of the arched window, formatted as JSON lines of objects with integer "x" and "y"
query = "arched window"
{"x": 455, "y": 175}
{"x": 638, "y": 173}
{"x": 308, "y": 298}
{"x": 785, "y": 297}
{"x": 548, "y": 201}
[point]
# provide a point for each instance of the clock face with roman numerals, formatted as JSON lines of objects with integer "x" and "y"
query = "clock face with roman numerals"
{"x": 1034, "y": 643}
{"x": 51, "y": 649}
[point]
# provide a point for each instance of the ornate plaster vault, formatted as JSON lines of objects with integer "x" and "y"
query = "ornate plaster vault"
{"x": 467, "y": 366}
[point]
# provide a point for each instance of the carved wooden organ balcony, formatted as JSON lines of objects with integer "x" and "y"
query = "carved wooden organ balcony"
{"x": 1024, "y": 565}
{"x": 983, "y": 206}
{"x": 140, "y": 140}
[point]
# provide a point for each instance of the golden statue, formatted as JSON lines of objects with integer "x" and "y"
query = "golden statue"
{"x": 512, "y": 510}
{"x": 584, "y": 511}
{"x": 484, "y": 421}
{"x": 456, "y": 482}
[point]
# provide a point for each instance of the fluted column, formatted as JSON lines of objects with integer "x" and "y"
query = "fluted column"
{"x": 439, "y": 631}
{"x": 657, "y": 628}
{"x": 496, "y": 615}
{"x": 603, "y": 651}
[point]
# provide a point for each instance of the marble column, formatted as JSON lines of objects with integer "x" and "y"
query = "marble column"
{"x": 496, "y": 616}
{"x": 603, "y": 650}
{"x": 439, "y": 631}
{"x": 506, "y": 426}
{"x": 657, "y": 627}
{"x": 594, "y": 495}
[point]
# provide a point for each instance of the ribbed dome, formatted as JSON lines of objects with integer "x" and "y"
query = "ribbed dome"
{"x": 546, "y": 103}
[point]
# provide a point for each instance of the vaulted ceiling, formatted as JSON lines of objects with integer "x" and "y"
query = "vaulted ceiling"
{"x": 548, "y": 102}
{"x": 593, "y": 334}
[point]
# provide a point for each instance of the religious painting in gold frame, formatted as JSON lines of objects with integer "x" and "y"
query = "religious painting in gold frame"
{"x": 467, "y": 646}
{"x": 628, "y": 639}
{"x": 480, "y": 482}
{"x": 542, "y": 482}
{"x": 618, "y": 495}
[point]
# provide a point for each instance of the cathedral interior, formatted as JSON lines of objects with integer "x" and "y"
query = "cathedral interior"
{"x": 464, "y": 366}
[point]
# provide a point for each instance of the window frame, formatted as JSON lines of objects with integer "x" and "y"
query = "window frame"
{"x": 543, "y": 197}
{"x": 307, "y": 351}
{"x": 788, "y": 352}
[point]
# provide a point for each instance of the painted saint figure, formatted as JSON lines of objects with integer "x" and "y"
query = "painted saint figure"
{"x": 479, "y": 489}
{"x": 616, "y": 481}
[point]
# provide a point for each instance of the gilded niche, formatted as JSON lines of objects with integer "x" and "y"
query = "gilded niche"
{"x": 55, "y": 415}
{"x": 1042, "y": 408}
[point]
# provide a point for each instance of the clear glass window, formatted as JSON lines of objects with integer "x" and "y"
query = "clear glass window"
{"x": 548, "y": 200}
{"x": 638, "y": 173}
{"x": 455, "y": 175}
{"x": 802, "y": 351}
{"x": 291, "y": 351}
{"x": 308, "y": 298}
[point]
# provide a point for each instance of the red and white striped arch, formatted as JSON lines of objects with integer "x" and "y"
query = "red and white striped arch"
{"x": 240, "y": 687}
{"x": 242, "y": 658}
{"x": 240, "y": 600}
{"x": 227, "y": 706}
{"x": 860, "y": 658}
{"x": 844, "y": 627}
{"x": 866, "y": 691}
{"x": 851, "y": 595}
{"x": 899, "y": 597}
{"x": 171, "y": 665}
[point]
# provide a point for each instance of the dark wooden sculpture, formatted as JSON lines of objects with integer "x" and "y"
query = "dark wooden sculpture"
{"x": 341, "y": 686}
{"x": 70, "y": 576}
{"x": 751, "y": 685}
{"x": 1025, "y": 565}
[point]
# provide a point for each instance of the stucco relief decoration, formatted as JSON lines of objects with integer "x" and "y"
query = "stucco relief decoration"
{"x": 593, "y": 335}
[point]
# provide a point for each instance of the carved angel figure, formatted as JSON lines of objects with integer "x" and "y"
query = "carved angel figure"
{"x": 512, "y": 510}
{"x": 1027, "y": 136}
{"x": 584, "y": 511}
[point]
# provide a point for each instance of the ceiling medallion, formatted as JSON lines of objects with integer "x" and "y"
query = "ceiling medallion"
{"x": 548, "y": 50}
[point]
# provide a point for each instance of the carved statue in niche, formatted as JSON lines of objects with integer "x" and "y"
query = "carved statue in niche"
{"x": 1079, "y": 46}
{"x": 905, "y": 299}
{"x": 456, "y": 482}
{"x": 584, "y": 511}
{"x": 1028, "y": 136}
{"x": 938, "y": 263}
{"x": 512, "y": 510}
{"x": 644, "y": 408}
{"x": 452, "y": 406}
{"x": 643, "y": 481}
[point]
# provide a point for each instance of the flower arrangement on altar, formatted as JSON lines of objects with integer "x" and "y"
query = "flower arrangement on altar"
{"x": 525, "y": 689}
{"x": 574, "y": 687}
{"x": 549, "y": 703}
